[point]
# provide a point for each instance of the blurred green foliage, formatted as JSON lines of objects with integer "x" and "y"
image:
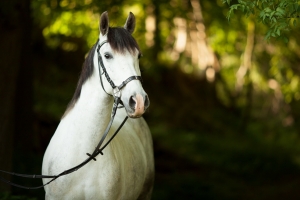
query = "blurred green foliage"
{"x": 212, "y": 139}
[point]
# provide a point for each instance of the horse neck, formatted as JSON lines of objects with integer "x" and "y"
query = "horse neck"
{"x": 91, "y": 113}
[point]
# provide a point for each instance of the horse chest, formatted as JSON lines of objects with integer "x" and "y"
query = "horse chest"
{"x": 118, "y": 174}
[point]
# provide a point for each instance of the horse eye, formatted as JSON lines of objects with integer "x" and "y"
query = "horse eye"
{"x": 107, "y": 56}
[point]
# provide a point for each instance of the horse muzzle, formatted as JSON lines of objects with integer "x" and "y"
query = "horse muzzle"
{"x": 137, "y": 105}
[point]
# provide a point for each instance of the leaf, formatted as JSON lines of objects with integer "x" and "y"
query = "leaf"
{"x": 280, "y": 11}
{"x": 296, "y": 7}
{"x": 234, "y": 7}
{"x": 261, "y": 14}
{"x": 273, "y": 34}
{"x": 267, "y": 10}
{"x": 295, "y": 22}
{"x": 272, "y": 14}
{"x": 268, "y": 35}
{"x": 226, "y": 1}
{"x": 278, "y": 32}
{"x": 242, "y": 8}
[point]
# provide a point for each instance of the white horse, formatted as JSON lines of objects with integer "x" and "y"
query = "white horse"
{"x": 126, "y": 170}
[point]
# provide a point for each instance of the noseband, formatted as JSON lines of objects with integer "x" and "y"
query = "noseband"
{"x": 98, "y": 150}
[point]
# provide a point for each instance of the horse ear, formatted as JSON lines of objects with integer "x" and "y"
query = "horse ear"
{"x": 104, "y": 23}
{"x": 130, "y": 23}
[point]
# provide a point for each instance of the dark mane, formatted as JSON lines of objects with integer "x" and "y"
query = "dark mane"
{"x": 120, "y": 40}
{"x": 87, "y": 71}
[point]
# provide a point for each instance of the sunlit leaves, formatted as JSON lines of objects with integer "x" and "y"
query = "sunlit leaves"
{"x": 79, "y": 18}
{"x": 76, "y": 24}
{"x": 278, "y": 15}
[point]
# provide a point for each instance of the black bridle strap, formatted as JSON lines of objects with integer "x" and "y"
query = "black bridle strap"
{"x": 92, "y": 156}
{"x": 100, "y": 63}
{"x": 131, "y": 78}
{"x": 105, "y": 72}
{"x": 100, "y": 75}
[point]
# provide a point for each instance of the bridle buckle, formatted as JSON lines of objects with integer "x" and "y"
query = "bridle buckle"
{"x": 117, "y": 92}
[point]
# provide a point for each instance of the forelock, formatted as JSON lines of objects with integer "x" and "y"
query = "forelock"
{"x": 121, "y": 40}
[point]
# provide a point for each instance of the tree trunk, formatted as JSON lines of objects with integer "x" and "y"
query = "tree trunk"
{"x": 24, "y": 87}
{"x": 202, "y": 55}
{"x": 243, "y": 75}
{"x": 11, "y": 33}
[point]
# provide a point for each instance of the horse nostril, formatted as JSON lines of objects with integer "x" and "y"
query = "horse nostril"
{"x": 132, "y": 102}
{"x": 147, "y": 102}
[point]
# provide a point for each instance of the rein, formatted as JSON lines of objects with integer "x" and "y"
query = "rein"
{"x": 99, "y": 148}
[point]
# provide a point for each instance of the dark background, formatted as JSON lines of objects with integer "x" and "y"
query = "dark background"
{"x": 223, "y": 128}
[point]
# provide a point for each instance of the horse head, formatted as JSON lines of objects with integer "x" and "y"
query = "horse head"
{"x": 119, "y": 54}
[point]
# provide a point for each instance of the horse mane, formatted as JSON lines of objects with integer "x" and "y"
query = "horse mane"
{"x": 120, "y": 40}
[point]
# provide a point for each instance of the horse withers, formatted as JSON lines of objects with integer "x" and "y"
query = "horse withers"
{"x": 126, "y": 170}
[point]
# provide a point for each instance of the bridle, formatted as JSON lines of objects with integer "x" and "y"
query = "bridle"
{"x": 99, "y": 148}
{"x": 116, "y": 89}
